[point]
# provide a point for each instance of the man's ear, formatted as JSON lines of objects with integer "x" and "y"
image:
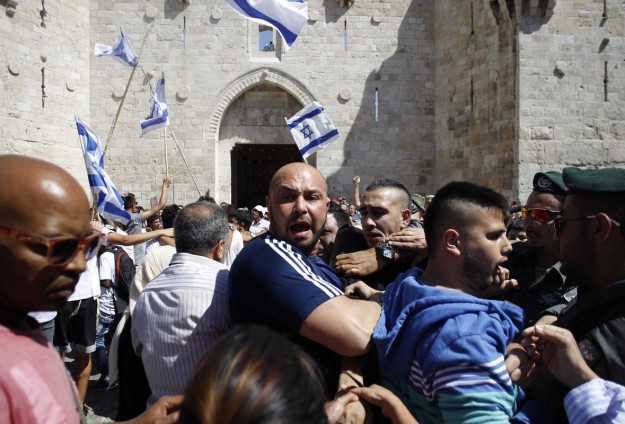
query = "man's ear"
{"x": 604, "y": 227}
{"x": 405, "y": 218}
{"x": 451, "y": 242}
{"x": 218, "y": 251}
{"x": 268, "y": 206}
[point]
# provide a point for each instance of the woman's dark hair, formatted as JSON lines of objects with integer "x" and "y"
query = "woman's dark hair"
{"x": 253, "y": 375}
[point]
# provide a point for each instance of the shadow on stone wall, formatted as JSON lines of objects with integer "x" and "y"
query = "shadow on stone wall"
{"x": 404, "y": 129}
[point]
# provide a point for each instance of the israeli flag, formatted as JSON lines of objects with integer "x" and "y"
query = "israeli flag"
{"x": 159, "y": 113}
{"x": 110, "y": 204}
{"x": 288, "y": 17}
{"x": 312, "y": 129}
{"x": 122, "y": 50}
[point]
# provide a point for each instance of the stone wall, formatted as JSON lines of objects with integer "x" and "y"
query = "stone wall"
{"x": 485, "y": 91}
{"x": 389, "y": 46}
{"x": 50, "y": 48}
{"x": 569, "y": 114}
{"x": 476, "y": 93}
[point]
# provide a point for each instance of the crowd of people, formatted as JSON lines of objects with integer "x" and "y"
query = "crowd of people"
{"x": 394, "y": 307}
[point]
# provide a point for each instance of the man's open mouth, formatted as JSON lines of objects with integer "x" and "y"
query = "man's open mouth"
{"x": 300, "y": 227}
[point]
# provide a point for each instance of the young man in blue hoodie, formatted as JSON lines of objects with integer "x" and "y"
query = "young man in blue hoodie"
{"x": 441, "y": 342}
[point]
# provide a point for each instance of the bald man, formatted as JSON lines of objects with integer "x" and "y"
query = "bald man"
{"x": 275, "y": 282}
{"x": 45, "y": 242}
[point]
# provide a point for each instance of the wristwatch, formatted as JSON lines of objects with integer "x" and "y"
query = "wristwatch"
{"x": 385, "y": 250}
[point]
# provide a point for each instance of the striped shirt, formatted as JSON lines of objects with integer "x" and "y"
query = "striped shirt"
{"x": 178, "y": 316}
{"x": 274, "y": 283}
{"x": 442, "y": 352}
{"x": 596, "y": 402}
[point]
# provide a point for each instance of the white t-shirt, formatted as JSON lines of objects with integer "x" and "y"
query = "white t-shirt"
{"x": 258, "y": 228}
{"x": 128, "y": 249}
{"x": 89, "y": 282}
{"x": 106, "y": 302}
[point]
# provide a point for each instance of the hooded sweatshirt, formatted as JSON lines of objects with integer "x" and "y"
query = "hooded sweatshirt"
{"x": 442, "y": 352}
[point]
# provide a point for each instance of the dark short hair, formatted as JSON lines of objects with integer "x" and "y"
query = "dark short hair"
{"x": 454, "y": 206}
{"x": 244, "y": 217}
{"x": 391, "y": 184}
{"x": 207, "y": 198}
{"x": 153, "y": 218}
{"x": 169, "y": 215}
{"x": 342, "y": 218}
{"x": 254, "y": 375}
{"x": 231, "y": 210}
{"x": 129, "y": 200}
{"x": 198, "y": 228}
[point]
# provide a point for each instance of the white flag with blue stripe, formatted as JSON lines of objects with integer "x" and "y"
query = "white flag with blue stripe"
{"x": 288, "y": 17}
{"x": 122, "y": 50}
{"x": 312, "y": 129}
{"x": 159, "y": 112}
{"x": 110, "y": 204}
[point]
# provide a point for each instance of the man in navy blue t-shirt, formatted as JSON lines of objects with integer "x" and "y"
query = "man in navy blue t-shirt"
{"x": 273, "y": 281}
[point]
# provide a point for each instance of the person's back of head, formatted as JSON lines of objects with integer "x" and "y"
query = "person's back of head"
{"x": 199, "y": 228}
{"x": 253, "y": 375}
{"x": 230, "y": 209}
{"x": 455, "y": 206}
{"x": 169, "y": 215}
{"x": 244, "y": 217}
{"x": 129, "y": 201}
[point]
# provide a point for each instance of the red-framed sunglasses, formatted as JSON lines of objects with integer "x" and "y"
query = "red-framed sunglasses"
{"x": 60, "y": 250}
{"x": 539, "y": 215}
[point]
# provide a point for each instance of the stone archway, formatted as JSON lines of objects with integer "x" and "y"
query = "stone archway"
{"x": 235, "y": 119}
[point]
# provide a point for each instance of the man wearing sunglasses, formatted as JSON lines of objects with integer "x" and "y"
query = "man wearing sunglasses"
{"x": 45, "y": 242}
{"x": 592, "y": 243}
{"x": 592, "y": 249}
{"x": 541, "y": 289}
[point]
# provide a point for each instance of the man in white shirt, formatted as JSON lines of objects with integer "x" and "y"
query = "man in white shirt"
{"x": 76, "y": 323}
{"x": 259, "y": 224}
{"x": 183, "y": 310}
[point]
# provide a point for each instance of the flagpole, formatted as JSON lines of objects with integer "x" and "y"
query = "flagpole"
{"x": 185, "y": 159}
{"x": 123, "y": 99}
{"x": 166, "y": 156}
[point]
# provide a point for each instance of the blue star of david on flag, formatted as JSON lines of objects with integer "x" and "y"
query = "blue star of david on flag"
{"x": 306, "y": 131}
{"x": 312, "y": 129}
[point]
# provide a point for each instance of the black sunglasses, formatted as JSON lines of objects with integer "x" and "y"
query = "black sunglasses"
{"x": 560, "y": 222}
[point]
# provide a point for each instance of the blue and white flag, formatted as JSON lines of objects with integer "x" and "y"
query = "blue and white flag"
{"x": 312, "y": 129}
{"x": 288, "y": 17}
{"x": 122, "y": 50}
{"x": 110, "y": 204}
{"x": 159, "y": 113}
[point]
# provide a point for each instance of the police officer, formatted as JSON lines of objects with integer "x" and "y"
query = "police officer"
{"x": 541, "y": 289}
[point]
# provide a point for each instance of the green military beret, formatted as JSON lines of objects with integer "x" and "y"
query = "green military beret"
{"x": 416, "y": 203}
{"x": 606, "y": 180}
{"x": 549, "y": 182}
